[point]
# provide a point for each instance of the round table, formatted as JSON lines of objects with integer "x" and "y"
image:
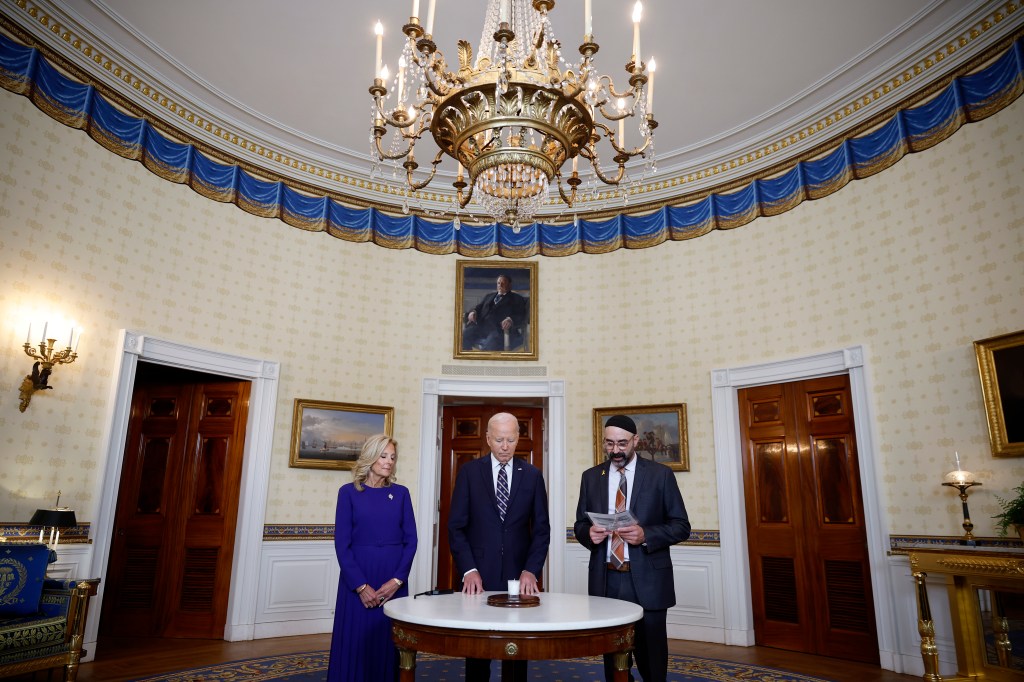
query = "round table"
{"x": 465, "y": 626}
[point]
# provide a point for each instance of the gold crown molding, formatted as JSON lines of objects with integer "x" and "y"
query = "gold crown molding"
{"x": 59, "y": 61}
{"x": 825, "y": 147}
{"x": 193, "y": 120}
{"x": 94, "y": 54}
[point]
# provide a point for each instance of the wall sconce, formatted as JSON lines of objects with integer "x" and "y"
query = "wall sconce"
{"x": 962, "y": 481}
{"x": 54, "y": 519}
{"x": 45, "y": 358}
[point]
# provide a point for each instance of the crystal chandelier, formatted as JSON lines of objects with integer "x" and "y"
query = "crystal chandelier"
{"x": 512, "y": 114}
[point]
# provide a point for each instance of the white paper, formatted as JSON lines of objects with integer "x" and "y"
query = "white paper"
{"x": 612, "y": 522}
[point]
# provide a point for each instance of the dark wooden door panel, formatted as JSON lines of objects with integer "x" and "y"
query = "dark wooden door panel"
{"x": 143, "y": 526}
{"x": 810, "y": 575}
{"x": 170, "y": 562}
{"x": 463, "y": 438}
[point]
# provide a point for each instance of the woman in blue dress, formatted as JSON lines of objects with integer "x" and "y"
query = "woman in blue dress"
{"x": 375, "y": 539}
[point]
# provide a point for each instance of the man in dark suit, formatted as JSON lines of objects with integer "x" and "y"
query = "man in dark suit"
{"x": 497, "y": 313}
{"x": 498, "y": 525}
{"x": 639, "y": 567}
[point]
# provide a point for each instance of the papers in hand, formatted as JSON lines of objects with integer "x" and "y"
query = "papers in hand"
{"x": 613, "y": 522}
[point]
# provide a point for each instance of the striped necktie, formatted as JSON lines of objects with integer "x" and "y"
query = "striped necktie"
{"x": 502, "y": 491}
{"x": 618, "y": 544}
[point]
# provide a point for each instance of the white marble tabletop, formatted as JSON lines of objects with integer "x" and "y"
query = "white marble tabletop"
{"x": 556, "y": 612}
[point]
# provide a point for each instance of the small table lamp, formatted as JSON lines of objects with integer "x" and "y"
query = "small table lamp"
{"x": 962, "y": 480}
{"x": 54, "y": 519}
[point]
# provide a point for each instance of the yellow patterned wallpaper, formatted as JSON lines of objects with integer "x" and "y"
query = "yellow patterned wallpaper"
{"x": 914, "y": 263}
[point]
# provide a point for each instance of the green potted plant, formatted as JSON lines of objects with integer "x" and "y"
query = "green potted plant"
{"x": 1012, "y": 514}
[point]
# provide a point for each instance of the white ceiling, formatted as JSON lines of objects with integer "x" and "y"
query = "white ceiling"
{"x": 733, "y": 76}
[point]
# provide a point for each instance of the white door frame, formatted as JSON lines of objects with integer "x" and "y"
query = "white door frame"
{"x": 430, "y": 464}
{"x": 252, "y": 494}
{"x": 725, "y": 384}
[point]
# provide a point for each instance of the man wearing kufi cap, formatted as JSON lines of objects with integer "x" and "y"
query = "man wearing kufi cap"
{"x": 639, "y": 567}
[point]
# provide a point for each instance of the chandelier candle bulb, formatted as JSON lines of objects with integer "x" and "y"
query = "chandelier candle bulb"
{"x": 638, "y": 9}
{"x": 588, "y": 19}
{"x": 430, "y": 17}
{"x": 45, "y": 325}
{"x": 401, "y": 78}
{"x": 506, "y": 11}
{"x": 28, "y": 337}
{"x": 650, "y": 85}
{"x": 379, "y": 31}
{"x": 415, "y": 9}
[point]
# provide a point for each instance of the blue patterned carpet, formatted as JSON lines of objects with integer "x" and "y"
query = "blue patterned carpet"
{"x": 312, "y": 667}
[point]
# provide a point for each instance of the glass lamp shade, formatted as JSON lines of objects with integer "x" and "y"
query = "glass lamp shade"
{"x": 959, "y": 477}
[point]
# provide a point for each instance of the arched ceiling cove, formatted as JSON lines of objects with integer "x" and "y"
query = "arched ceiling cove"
{"x": 745, "y": 87}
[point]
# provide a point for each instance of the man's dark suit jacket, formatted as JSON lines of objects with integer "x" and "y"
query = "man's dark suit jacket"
{"x": 489, "y": 314}
{"x": 658, "y": 506}
{"x": 477, "y": 536}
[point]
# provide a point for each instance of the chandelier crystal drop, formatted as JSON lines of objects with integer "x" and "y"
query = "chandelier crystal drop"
{"x": 512, "y": 114}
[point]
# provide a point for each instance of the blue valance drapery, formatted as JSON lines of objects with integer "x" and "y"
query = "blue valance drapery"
{"x": 967, "y": 98}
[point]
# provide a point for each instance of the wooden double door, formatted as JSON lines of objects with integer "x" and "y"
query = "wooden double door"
{"x": 809, "y": 567}
{"x": 464, "y": 430}
{"x": 170, "y": 561}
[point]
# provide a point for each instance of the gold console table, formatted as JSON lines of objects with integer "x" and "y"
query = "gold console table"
{"x": 968, "y": 571}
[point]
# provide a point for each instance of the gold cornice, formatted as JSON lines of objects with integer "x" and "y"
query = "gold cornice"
{"x": 189, "y": 119}
{"x": 986, "y": 565}
{"x": 172, "y": 132}
{"x": 819, "y": 150}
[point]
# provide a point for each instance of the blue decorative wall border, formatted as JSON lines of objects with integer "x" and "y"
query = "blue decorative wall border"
{"x": 966, "y": 97}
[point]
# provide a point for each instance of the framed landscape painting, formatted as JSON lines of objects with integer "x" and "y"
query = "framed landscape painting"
{"x": 330, "y": 435}
{"x": 662, "y": 432}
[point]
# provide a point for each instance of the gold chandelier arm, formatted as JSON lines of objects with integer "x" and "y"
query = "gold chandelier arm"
{"x": 614, "y": 115}
{"x": 571, "y": 197}
{"x": 403, "y": 121}
{"x": 390, "y": 157}
{"x": 632, "y": 92}
{"x": 464, "y": 197}
{"x": 411, "y": 165}
{"x": 636, "y": 151}
{"x": 604, "y": 178}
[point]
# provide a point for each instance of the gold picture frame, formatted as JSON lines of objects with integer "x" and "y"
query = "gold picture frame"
{"x": 1001, "y": 367}
{"x": 662, "y": 431}
{"x": 327, "y": 435}
{"x": 478, "y": 332}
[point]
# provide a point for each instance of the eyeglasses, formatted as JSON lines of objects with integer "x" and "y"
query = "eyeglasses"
{"x": 617, "y": 444}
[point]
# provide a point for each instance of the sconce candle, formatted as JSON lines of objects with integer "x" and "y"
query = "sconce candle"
{"x": 45, "y": 356}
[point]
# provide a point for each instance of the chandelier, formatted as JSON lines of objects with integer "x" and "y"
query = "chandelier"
{"x": 513, "y": 113}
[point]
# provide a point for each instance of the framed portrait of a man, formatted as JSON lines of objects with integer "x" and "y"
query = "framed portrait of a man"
{"x": 496, "y": 310}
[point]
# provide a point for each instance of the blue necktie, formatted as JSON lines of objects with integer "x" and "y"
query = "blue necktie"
{"x": 502, "y": 491}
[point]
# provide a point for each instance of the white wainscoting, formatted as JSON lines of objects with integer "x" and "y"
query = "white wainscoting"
{"x": 298, "y": 582}
{"x": 697, "y": 570}
{"x": 298, "y": 586}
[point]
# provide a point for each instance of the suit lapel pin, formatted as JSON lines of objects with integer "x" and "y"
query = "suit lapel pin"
{"x": 390, "y": 496}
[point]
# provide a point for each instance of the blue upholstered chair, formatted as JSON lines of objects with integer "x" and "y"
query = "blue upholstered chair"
{"x": 42, "y": 621}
